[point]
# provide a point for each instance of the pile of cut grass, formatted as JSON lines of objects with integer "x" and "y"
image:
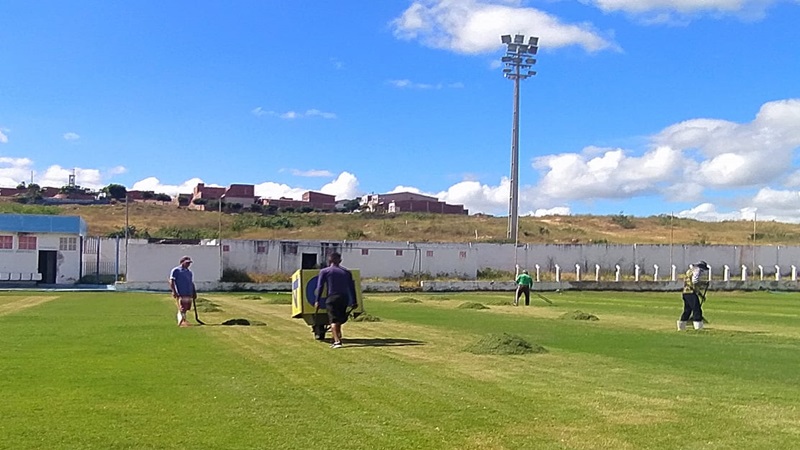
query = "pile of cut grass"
{"x": 408, "y": 300}
{"x": 579, "y": 315}
{"x": 251, "y": 297}
{"x": 366, "y": 317}
{"x": 472, "y": 305}
{"x": 243, "y": 322}
{"x": 206, "y": 306}
{"x": 504, "y": 344}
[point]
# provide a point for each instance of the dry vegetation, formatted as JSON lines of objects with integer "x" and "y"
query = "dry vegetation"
{"x": 170, "y": 221}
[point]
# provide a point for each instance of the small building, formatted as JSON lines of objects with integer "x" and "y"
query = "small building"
{"x": 409, "y": 202}
{"x": 203, "y": 193}
{"x": 317, "y": 201}
{"x": 243, "y": 194}
{"x": 41, "y": 248}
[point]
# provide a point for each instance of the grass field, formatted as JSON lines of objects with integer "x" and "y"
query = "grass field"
{"x": 112, "y": 371}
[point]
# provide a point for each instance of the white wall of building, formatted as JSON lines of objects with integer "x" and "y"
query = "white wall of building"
{"x": 17, "y": 261}
{"x": 153, "y": 262}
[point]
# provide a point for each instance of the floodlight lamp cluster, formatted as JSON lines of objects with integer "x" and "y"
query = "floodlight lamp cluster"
{"x": 519, "y": 59}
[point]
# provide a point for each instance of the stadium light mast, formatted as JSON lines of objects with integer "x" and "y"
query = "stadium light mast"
{"x": 518, "y": 61}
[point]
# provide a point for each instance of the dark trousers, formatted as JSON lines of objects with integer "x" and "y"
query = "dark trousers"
{"x": 691, "y": 307}
{"x": 522, "y": 289}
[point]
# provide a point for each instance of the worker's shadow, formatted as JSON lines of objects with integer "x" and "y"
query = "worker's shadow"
{"x": 379, "y": 342}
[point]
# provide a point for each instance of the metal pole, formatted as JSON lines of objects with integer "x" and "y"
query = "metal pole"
{"x": 513, "y": 212}
{"x": 754, "y": 241}
{"x": 127, "y": 234}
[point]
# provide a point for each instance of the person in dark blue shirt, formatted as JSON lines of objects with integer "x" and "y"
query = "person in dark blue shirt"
{"x": 341, "y": 293}
{"x": 181, "y": 283}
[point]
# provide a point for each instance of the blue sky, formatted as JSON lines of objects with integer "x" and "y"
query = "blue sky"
{"x": 643, "y": 107}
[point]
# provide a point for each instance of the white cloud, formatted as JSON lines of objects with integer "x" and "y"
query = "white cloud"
{"x": 735, "y": 153}
{"x": 118, "y": 170}
{"x": 154, "y": 184}
{"x": 612, "y": 174}
{"x": 312, "y": 173}
{"x": 71, "y": 136}
{"x": 337, "y": 64}
{"x": 3, "y": 137}
{"x": 270, "y": 189}
{"x": 477, "y": 197}
{"x": 57, "y": 176}
{"x": 14, "y": 170}
{"x": 475, "y": 26}
{"x": 670, "y": 10}
{"x": 408, "y": 84}
{"x": 290, "y": 115}
{"x": 345, "y": 186}
{"x": 556, "y": 211}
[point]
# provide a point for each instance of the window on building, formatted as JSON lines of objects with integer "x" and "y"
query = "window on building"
{"x": 462, "y": 255}
{"x": 68, "y": 244}
{"x": 398, "y": 253}
{"x": 429, "y": 253}
{"x": 6, "y": 242}
{"x": 27, "y": 242}
{"x": 289, "y": 248}
{"x": 364, "y": 251}
{"x": 226, "y": 248}
{"x": 261, "y": 246}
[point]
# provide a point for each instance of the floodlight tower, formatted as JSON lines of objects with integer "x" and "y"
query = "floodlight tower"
{"x": 518, "y": 61}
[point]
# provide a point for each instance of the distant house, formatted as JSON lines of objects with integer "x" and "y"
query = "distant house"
{"x": 11, "y": 192}
{"x": 314, "y": 200}
{"x": 243, "y": 194}
{"x": 409, "y": 202}
{"x": 203, "y": 192}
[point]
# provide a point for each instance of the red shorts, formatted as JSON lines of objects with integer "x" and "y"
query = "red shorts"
{"x": 186, "y": 303}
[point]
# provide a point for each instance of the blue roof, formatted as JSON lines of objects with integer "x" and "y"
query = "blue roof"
{"x": 34, "y": 223}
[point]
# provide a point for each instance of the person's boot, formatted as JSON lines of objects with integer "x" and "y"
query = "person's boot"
{"x": 698, "y": 324}
{"x": 681, "y": 325}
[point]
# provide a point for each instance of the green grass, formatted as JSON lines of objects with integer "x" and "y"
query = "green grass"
{"x": 112, "y": 371}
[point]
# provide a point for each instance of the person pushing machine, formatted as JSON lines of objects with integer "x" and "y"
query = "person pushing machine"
{"x": 341, "y": 293}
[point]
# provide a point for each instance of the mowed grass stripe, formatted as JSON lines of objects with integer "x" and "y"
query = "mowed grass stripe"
{"x": 12, "y": 304}
{"x": 119, "y": 374}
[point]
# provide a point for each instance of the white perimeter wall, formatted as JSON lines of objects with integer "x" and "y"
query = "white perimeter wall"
{"x": 394, "y": 259}
{"x": 153, "y": 262}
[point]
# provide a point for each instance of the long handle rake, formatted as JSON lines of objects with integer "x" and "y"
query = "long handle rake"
{"x": 196, "y": 317}
{"x": 544, "y": 298}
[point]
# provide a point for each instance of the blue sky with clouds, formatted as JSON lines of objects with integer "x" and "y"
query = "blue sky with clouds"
{"x": 640, "y": 106}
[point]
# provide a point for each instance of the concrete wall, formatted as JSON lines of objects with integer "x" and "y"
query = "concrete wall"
{"x": 153, "y": 262}
{"x": 395, "y": 259}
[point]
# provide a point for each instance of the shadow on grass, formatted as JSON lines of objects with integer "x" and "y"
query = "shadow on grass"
{"x": 380, "y": 342}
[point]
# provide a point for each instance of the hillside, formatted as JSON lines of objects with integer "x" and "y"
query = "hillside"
{"x": 170, "y": 221}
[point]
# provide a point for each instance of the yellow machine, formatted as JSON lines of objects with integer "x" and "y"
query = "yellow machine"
{"x": 304, "y": 282}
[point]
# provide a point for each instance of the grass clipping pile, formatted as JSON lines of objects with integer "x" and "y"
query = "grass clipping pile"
{"x": 504, "y": 344}
{"x": 472, "y": 305}
{"x": 579, "y": 315}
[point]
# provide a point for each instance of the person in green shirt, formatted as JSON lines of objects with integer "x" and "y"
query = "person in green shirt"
{"x": 524, "y": 284}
